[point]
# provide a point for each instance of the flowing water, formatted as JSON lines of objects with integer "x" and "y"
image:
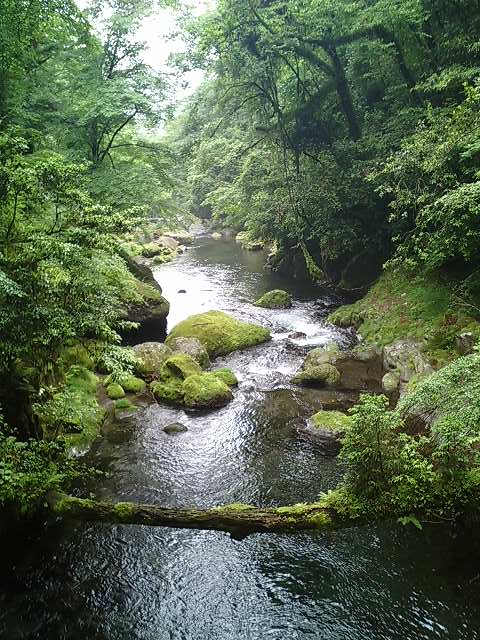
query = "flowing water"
{"x": 104, "y": 582}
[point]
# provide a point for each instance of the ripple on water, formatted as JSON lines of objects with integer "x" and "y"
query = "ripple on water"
{"x": 105, "y": 582}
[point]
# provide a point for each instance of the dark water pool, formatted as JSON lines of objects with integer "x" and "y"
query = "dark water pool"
{"x": 103, "y": 582}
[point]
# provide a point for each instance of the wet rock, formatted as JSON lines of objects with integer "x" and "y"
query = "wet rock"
{"x": 297, "y": 335}
{"x": 390, "y": 382}
{"x": 193, "y": 347}
{"x": 175, "y": 427}
{"x": 205, "y": 391}
{"x": 322, "y": 375}
{"x": 227, "y": 376}
{"x": 276, "y": 299}
{"x": 328, "y": 428}
{"x": 219, "y": 332}
{"x": 181, "y": 291}
{"x": 216, "y": 235}
{"x": 151, "y": 356}
{"x": 360, "y": 369}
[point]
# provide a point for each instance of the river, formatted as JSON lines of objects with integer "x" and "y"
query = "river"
{"x": 104, "y": 582}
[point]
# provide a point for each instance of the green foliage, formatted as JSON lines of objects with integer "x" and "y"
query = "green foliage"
{"x": 29, "y": 469}
{"x": 438, "y": 471}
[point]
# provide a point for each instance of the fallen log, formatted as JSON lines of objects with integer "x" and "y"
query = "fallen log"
{"x": 239, "y": 520}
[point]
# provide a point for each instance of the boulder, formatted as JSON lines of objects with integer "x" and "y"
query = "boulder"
{"x": 219, "y": 332}
{"x": 276, "y": 299}
{"x": 115, "y": 391}
{"x": 168, "y": 241}
{"x": 205, "y": 391}
{"x": 193, "y": 347}
{"x": 150, "y": 312}
{"x": 405, "y": 358}
{"x": 227, "y": 376}
{"x": 182, "y": 237}
{"x": 390, "y": 382}
{"x": 151, "y": 356}
{"x": 180, "y": 365}
{"x": 358, "y": 370}
{"x": 324, "y": 375}
{"x": 175, "y": 427}
{"x": 297, "y": 335}
{"x": 329, "y": 427}
{"x": 216, "y": 235}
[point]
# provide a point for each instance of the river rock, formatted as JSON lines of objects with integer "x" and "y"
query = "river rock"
{"x": 405, "y": 358}
{"x": 360, "y": 369}
{"x": 151, "y": 357}
{"x": 328, "y": 428}
{"x": 297, "y": 335}
{"x": 193, "y": 347}
{"x": 205, "y": 391}
{"x": 182, "y": 237}
{"x": 276, "y": 299}
{"x": 175, "y": 427}
{"x": 219, "y": 332}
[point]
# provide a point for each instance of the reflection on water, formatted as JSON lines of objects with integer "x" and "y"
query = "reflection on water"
{"x": 108, "y": 582}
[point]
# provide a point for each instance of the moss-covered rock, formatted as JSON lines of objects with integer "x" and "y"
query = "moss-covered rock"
{"x": 151, "y": 249}
{"x": 331, "y": 421}
{"x": 193, "y": 347}
{"x": 219, "y": 333}
{"x": 115, "y": 391}
{"x": 151, "y": 357}
{"x": 323, "y": 375}
{"x": 276, "y": 299}
{"x": 132, "y": 384}
{"x": 180, "y": 365}
{"x": 227, "y": 376}
{"x": 170, "y": 391}
{"x": 79, "y": 378}
{"x": 205, "y": 391}
{"x": 124, "y": 403}
{"x": 78, "y": 354}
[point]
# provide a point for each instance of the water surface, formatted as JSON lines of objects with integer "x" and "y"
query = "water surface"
{"x": 104, "y": 582}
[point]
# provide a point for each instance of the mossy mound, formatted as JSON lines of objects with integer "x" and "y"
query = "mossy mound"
{"x": 415, "y": 306}
{"x": 219, "y": 333}
{"x": 205, "y": 391}
{"x": 125, "y": 404}
{"x": 331, "y": 421}
{"x": 180, "y": 365}
{"x": 151, "y": 249}
{"x": 81, "y": 379}
{"x": 193, "y": 347}
{"x": 276, "y": 299}
{"x": 322, "y": 375}
{"x": 150, "y": 357}
{"x": 227, "y": 376}
{"x": 169, "y": 391}
{"x": 78, "y": 355}
{"x": 175, "y": 370}
{"x": 115, "y": 391}
{"x": 132, "y": 384}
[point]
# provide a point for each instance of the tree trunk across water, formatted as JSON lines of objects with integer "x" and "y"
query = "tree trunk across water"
{"x": 240, "y": 520}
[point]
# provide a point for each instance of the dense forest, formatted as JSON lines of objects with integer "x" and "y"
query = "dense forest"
{"x": 342, "y": 135}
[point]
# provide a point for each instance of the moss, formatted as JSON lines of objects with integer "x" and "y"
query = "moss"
{"x": 151, "y": 249}
{"x": 276, "y": 299}
{"x": 205, "y": 391}
{"x": 313, "y": 513}
{"x": 151, "y": 357}
{"x": 163, "y": 258}
{"x": 219, "y": 333}
{"x": 193, "y": 347}
{"x": 80, "y": 379}
{"x": 124, "y": 403}
{"x": 331, "y": 420}
{"x": 131, "y": 384}
{"x": 234, "y": 506}
{"x": 123, "y": 510}
{"x": 169, "y": 392}
{"x": 227, "y": 376}
{"x": 180, "y": 365}
{"x": 131, "y": 248}
{"x": 78, "y": 354}
{"x": 405, "y": 305}
{"x": 323, "y": 374}
{"x": 115, "y": 391}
